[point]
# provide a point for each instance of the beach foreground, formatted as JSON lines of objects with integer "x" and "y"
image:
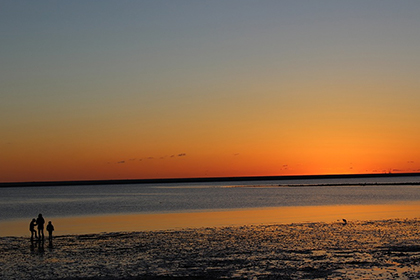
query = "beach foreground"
{"x": 358, "y": 250}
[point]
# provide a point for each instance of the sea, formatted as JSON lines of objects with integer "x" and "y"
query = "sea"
{"x": 55, "y": 202}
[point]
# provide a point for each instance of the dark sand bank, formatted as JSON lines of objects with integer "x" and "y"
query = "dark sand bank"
{"x": 209, "y": 179}
{"x": 362, "y": 249}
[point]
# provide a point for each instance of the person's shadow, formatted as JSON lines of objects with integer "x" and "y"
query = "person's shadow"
{"x": 32, "y": 245}
{"x": 50, "y": 244}
{"x": 39, "y": 244}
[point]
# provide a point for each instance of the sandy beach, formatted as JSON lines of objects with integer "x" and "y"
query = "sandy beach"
{"x": 359, "y": 250}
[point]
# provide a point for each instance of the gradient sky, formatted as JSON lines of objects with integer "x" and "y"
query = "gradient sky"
{"x": 161, "y": 89}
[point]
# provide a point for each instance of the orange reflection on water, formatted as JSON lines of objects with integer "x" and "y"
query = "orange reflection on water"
{"x": 146, "y": 222}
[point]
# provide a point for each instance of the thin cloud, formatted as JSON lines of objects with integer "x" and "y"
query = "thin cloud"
{"x": 152, "y": 158}
{"x": 398, "y": 170}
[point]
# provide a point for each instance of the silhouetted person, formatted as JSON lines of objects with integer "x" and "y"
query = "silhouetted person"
{"x": 32, "y": 229}
{"x": 50, "y": 229}
{"x": 40, "y": 222}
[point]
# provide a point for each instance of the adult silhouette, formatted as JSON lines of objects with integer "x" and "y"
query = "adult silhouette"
{"x": 40, "y": 222}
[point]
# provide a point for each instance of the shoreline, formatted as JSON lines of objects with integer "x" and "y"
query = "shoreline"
{"x": 374, "y": 249}
{"x": 202, "y": 179}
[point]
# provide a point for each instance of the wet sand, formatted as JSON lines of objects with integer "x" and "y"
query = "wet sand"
{"x": 359, "y": 250}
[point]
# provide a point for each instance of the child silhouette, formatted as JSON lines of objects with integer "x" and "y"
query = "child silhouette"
{"x": 32, "y": 229}
{"x": 50, "y": 229}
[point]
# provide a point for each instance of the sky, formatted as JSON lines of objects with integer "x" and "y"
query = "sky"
{"x": 95, "y": 90}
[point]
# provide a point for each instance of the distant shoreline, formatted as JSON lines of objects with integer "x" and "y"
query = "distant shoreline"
{"x": 205, "y": 179}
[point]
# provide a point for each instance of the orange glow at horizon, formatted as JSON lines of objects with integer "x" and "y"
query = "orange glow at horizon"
{"x": 324, "y": 146}
{"x": 181, "y": 165}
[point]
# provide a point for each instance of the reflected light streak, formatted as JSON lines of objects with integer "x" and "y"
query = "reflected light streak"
{"x": 167, "y": 221}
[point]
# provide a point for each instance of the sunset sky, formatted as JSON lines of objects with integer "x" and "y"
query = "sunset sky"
{"x": 162, "y": 89}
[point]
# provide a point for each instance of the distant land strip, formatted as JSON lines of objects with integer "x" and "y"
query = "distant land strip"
{"x": 209, "y": 179}
{"x": 353, "y": 184}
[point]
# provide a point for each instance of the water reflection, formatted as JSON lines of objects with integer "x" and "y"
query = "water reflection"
{"x": 37, "y": 244}
{"x": 16, "y": 203}
{"x": 141, "y": 222}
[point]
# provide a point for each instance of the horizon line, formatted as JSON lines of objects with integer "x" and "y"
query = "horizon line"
{"x": 199, "y": 179}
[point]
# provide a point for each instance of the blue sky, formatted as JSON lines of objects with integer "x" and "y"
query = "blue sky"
{"x": 126, "y": 76}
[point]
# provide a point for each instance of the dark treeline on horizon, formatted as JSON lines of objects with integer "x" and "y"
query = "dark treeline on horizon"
{"x": 203, "y": 179}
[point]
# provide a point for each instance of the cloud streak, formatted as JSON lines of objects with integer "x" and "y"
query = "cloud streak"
{"x": 152, "y": 158}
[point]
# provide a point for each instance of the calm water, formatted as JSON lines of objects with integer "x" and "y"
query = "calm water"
{"x": 27, "y": 202}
